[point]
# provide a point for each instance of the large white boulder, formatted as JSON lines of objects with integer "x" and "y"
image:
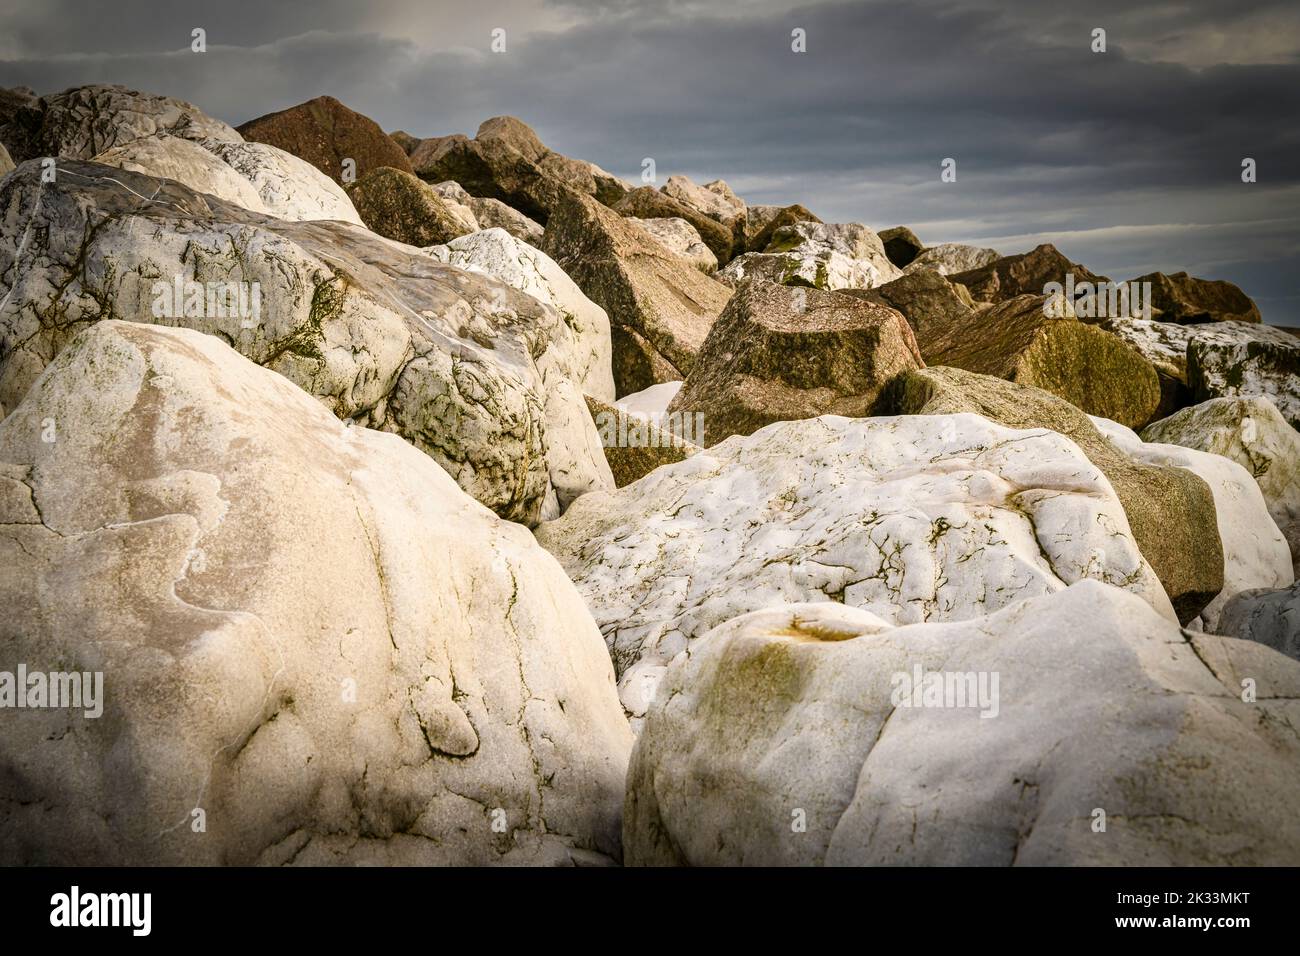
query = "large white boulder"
{"x": 315, "y": 647}
{"x": 496, "y": 253}
{"x": 171, "y": 157}
{"x": 1075, "y": 728}
{"x": 913, "y": 518}
{"x": 457, "y": 362}
{"x": 820, "y": 255}
{"x": 291, "y": 188}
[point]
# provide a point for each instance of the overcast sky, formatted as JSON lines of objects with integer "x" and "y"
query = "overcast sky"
{"x": 1128, "y": 160}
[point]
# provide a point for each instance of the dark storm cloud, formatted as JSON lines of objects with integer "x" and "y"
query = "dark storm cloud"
{"x": 1129, "y": 160}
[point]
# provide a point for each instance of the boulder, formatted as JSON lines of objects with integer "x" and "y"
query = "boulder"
{"x": 490, "y": 169}
{"x": 184, "y": 160}
{"x": 819, "y": 256}
{"x": 1022, "y": 341}
{"x": 1186, "y": 300}
{"x": 84, "y": 121}
{"x": 636, "y": 445}
{"x": 650, "y": 402}
{"x": 645, "y": 202}
{"x": 1270, "y": 617}
{"x": 310, "y": 638}
{"x": 1253, "y": 433}
{"x": 1255, "y": 553}
{"x": 12, "y": 99}
{"x": 1171, "y": 511}
{"x": 401, "y": 206}
{"x": 660, "y": 307}
{"x": 914, "y": 518}
{"x": 1254, "y": 360}
{"x": 531, "y": 271}
{"x": 506, "y": 161}
{"x": 823, "y": 735}
{"x": 950, "y": 258}
{"x": 490, "y": 213}
{"x": 778, "y": 353}
{"x": 327, "y": 134}
{"x": 680, "y": 238}
{"x": 762, "y": 222}
{"x": 901, "y": 245}
{"x": 928, "y": 301}
{"x": 405, "y": 140}
{"x": 1024, "y": 274}
{"x": 6, "y": 163}
{"x": 577, "y": 174}
{"x": 380, "y": 333}
{"x": 715, "y": 200}
{"x": 289, "y": 187}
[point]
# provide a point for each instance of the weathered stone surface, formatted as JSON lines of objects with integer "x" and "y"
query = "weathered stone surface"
{"x": 380, "y": 333}
{"x": 680, "y": 238}
{"x": 490, "y": 213}
{"x": 818, "y": 256}
{"x": 646, "y": 202}
{"x": 1024, "y": 274}
{"x": 1170, "y": 510}
{"x": 12, "y": 99}
{"x": 1187, "y": 300}
{"x": 290, "y": 188}
{"x": 715, "y": 199}
{"x": 533, "y": 272}
{"x": 1019, "y": 341}
{"x": 928, "y": 301}
{"x": 405, "y": 140}
{"x": 575, "y": 173}
{"x": 506, "y": 161}
{"x": 305, "y": 629}
{"x": 635, "y": 445}
{"x": 914, "y": 518}
{"x": 1255, "y": 553}
{"x": 490, "y": 169}
{"x": 1253, "y": 433}
{"x": 762, "y": 222}
{"x": 326, "y": 134}
{"x": 660, "y": 307}
{"x": 1267, "y": 617}
{"x": 84, "y": 121}
{"x": 949, "y": 258}
{"x": 402, "y": 207}
{"x": 1266, "y": 364}
{"x": 6, "y": 163}
{"x": 777, "y": 353}
{"x": 170, "y": 157}
{"x": 1101, "y": 703}
{"x": 901, "y": 245}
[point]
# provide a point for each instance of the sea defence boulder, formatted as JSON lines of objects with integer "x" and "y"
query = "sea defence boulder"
{"x": 314, "y": 647}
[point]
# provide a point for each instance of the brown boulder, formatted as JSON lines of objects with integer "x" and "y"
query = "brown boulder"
{"x": 399, "y": 205}
{"x": 324, "y": 132}
{"x": 1019, "y": 341}
{"x": 634, "y": 447}
{"x": 779, "y": 353}
{"x": 660, "y": 306}
{"x": 1188, "y": 301}
{"x": 901, "y": 245}
{"x": 1025, "y": 274}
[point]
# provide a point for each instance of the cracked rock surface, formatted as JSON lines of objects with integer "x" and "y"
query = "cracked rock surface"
{"x": 789, "y": 714}
{"x": 379, "y": 332}
{"x": 307, "y": 631}
{"x": 914, "y": 518}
